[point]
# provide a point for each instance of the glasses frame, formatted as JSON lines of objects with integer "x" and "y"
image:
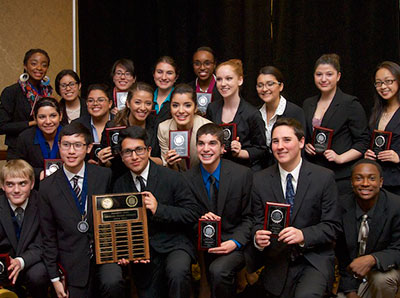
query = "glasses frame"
{"x": 124, "y": 153}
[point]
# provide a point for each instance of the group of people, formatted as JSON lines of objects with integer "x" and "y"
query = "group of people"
{"x": 341, "y": 201}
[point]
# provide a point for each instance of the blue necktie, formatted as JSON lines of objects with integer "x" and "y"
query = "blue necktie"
{"x": 290, "y": 192}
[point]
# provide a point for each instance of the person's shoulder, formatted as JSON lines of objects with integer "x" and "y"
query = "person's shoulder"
{"x": 201, "y": 120}
{"x": 264, "y": 175}
{"x": 12, "y": 88}
{"x": 49, "y": 182}
{"x": 28, "y": 133}
{"x": 99, "y": 170}
{"x": 309, "y": 100}
{"x": 165, "y": 124}
{"x": 293, "y": 108}
{"x": 234, "y": 167}
{"x": 393, "y": 200}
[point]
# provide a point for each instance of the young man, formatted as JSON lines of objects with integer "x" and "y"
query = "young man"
{"x": 172, "y": 211}
{"x": 19, "y": 228}
{"x": 368, "y": 248}
{"x": 66, "y": 219}
{"x": 231, "y": 205}
{"x": 298, "y": 262}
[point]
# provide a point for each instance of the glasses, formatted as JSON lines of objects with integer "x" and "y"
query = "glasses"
{"x": 70, "y": 85}
{"x": 386, "y": 82}
{"x": 138, "y": 150}
{"x": 268, "y": 84}
{"x": 77, "y": 146}
{"x": 127, "y": 74}
{"x": 97, "y": 100}
{"x": 206, "y": 63}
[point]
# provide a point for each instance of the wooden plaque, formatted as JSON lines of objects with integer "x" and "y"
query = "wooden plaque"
{"x": 120, "y": 228}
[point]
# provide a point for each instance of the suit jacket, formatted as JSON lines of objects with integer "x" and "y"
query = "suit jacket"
{"x": 346, "y": 117}
{"x": 383, "y": 240}
{"x": 169, "y": 228}
{"x": 314, "y": 213}
{"x": 28, "y": 246}
{"x": 83, "y": 110}
{"x": 59, "y": 216}
{"x": 250, "y": 130}
{"x": 233, "y": 199}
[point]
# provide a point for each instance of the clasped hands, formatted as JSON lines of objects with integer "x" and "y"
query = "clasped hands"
{"x": 289, "y": 235}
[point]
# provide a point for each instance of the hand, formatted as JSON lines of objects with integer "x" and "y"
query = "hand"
{"x": 150, "y": 201}
{"x": 211, "y": 216}
{"x": 369, "y": 154}
{"x": 362, "y": 265}
{"x": 352, "y": 295}
{"x": 141, "y": 261}
{"x": 123, "y": 262}
{"x": 15, "y": 268}
{"x": 172, "y": 157}
{"x": 388, "y": 155}
{"x": 32, "y": 123}
{"x": 291, "y": 235}
{"x": 114, "y": 111}
{"x": 332, "y": 156}
{"x": 310, "y": 149}
{"x": 236, "y": 146}
{"x": 225, "y": 248}
{"x": 105, "y": 154}
{"x": 263, "y": 238}
{"x": 41, "y": 175}
{"x": 93, "y": 162}
{"x": 60, "y": 291}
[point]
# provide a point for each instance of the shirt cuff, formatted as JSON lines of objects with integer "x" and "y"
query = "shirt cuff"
{"x": 256, "y": 245}
{"x": 237, "y": 244}
{"x": 55, "y": 279}
{"x": 22, "y": 262}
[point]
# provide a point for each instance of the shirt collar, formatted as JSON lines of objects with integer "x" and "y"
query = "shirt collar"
{"x": 360, "y": 212}
{"x": 144, "y": 173}
{"x": 295, "y": 173}
{"x": 279, "y": 110}
{"x": 70, "y": 175}
{"x": 206, "y": 175}
{"x": 23, "y": 206}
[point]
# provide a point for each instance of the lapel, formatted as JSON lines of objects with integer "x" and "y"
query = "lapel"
{"x": 152, "y": 178}
{"x": 311, "y": 107}
{"x": 239, "y": 111}
{"x": 30, "y": 215}
{"x": 333, "y": 107}
{"x": 276, "y": 180}
{"x": 218, "y": 111}
{"x": 378, "y": 222}
{"x": 350, "y": 227}
{"x": 6, "y": 221}
{"x": 65, "y": 188}
{"x": 91, "y": 183}
{"x": 224, "y": 184}
{"x": 200, "y": 189}
{"x": 303, "y": 184}
{"x": 393, "y": 123}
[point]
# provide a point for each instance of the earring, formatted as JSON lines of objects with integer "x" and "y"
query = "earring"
{"x": 24, "y": 77}
{"x": 46, "y": 81}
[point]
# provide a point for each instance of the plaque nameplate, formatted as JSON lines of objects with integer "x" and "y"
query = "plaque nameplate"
{"x": 179, "y": 140}
{"x": 209, "y": 234}
{"x": 277, "y": 217}
{"x": 322, "y": 139}
{"x": 203, "y": 100}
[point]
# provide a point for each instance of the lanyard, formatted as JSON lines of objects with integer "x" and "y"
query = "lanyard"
{"x": 82, "y": 204}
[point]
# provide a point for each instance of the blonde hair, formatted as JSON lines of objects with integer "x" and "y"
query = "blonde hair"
{"x": 16, "y": 168}
{"x": 236, "y": 64}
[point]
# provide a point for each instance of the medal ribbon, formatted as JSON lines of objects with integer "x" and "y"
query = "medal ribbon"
{"x": 210, "y": 87}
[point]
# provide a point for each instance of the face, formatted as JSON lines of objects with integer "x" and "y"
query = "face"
{"x": 183, "y": 110}
{"x": 203, "y": 65}
{"x": 123, "y": 79}
{"x": 17, "y": 189}
{"x": 269, "y": 94}
{"x": 136, "y": 163}
{"x": 73, "y": 158}
{"x": 228, "y": 82}
{"x": 326, "y": 77}
{"x": 366, "y": 181}
{"x": 98, "y": 103}
{"x": 48, "y": 120}
{"x": 69, "y": 88}
{"x": 386, "y": 91}
{"x": 286, "y": 147}
{"x": 209, "y": 150}
{"x": 37, "y": 66}
{"x": 164, "y": 76}
{"x": 140, "y": 105}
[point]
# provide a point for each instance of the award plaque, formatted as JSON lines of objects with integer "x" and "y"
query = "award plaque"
{"x": 120, "y": 228}
{"x": 277, "y": 217}
{"x": 4, "y": 263}
{"x": 112, "y": 134}
{"x": 322, "y": 139}
{"x": 95, "y": 151}
{"x": 229, "y": 134}
{"x": 121, "y": 100}
{"x": 180, "y": 141}
{"x": 203, "y": 100}
{"x": 381, "y": 141}
{"x": 51, "y": 166}
{"x": 209, "y": 234}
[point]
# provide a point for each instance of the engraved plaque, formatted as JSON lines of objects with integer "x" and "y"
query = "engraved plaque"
{"x": 322, "y": 139}
{"x": 180, "y": 141}
{"x": 112, "y": 134}
{"x": 203, "y": 100}
{"x": 95, "y": 151}
{"x": 51, "y": 166}
{"x": 276, "y": 218}
{"x": 380, "y": 140}
{"x": 120, "y": 226}
{"x": 229, "y": 130}
{"x": 209, "y": 234}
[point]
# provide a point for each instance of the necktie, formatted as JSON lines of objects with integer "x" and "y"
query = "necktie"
{"x": 213, "y": 193}
{"x": 76, "y": 188}
{"x": 363, "y": 235}
{"x": 141, "y": 182}
{"x": 19, "y": 216}
{"x": 290, "y": 192}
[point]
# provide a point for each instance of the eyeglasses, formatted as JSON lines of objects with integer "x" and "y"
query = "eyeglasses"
{"x": 138, "y": 150}
{"x": 77, "y": 146}
{"x": 97, "y": 100}
{"x": 70, "y": 85}
{"x": 206, "y": 63}
{"x": 267, "y": 84}
{"x": 127, "y": 74}
{"x": 386, "y": 82}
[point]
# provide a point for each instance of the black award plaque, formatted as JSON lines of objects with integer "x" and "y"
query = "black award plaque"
{"x": 179, "y": 140}
{"x": 203, "y": 100}
{"x": 381, "y": 141}
{"x": 322, "y": 139}
{"x": 112, "y": 134}
{"x": 277, "y": 217}
{"x": 51, "y": 166}
{"x": 209, "y": 234}
{"x": 95, "y": 151}
{"x": 4, "y": 263}
{"x": 229, "y": 130}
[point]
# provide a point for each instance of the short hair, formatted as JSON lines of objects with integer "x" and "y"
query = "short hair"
{"x": 368, "y": 161}
{"x": 16, "y": 168}
{"x": 185, "y": 89}
{"x": 76, "y": 128}
{"x": 101, "y": 87}
{"x": 46, "y": 102}
{"x": 236, "y": 64}
{"x": 272, "y": 70}
{"x": 63, "y": 73}
{"x": 291, "y": 122}
{"x": 126, "y": 63}
{"x": 206, "y": 49}
{"x": 331, "y": 59}
{"x": 34, "y": 51}
{"x": 211, "y": 129}
{"x": 169, "y": 60}
{"x": 133, "y": 132}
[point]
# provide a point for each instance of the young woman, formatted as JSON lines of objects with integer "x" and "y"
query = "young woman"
{"x": 386, "y": 116}
{"x": 249, "y": 148}
{"x": 17, "y": 101}
{"x": 183, "y": 112}
{"x": 68, "y": 85}
{"x": 340, "y": 112}
{"x": 41, "y": 142}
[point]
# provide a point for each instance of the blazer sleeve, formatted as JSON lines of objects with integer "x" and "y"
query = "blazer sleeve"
{"x": 358, "y": 126}
{"x": 258, "y": 143}
{"x": 33, "y": 253}
{"x": 8, "y": 125}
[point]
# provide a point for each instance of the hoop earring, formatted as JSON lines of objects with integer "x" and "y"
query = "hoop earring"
{"x": 46, "y": 81}
{"x": 24, "y": 77}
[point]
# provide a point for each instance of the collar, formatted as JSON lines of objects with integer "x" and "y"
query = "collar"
{"x": 206, "y": 91}
{"x": 279, "y": 110}
{"x": 70, "y": 175}
{"x": 206, "y": 175}
{"x": 295, "y": 173}
{"x": 360, "y": 212}
{"x": 144, "y": 173}
{"x": 23, "y": 206}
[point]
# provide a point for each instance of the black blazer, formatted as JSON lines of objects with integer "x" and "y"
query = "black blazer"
{"x": 383, "y": 240}
{"x": 59, "y": 216}
{"x": 347, "y": 118}
{"x": 177, "y": 211}
{"x": 28, "y": 246}
{"x": 233, "y": 199}
{"x": 250, "y": 130}
{"x": 83, "y": 110}
{"x": 315, "y": 213}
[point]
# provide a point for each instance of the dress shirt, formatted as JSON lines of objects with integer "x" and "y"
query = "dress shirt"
{"x": 144, "y": 174}
{"x": 295, "y": 177}
{"x": 206, "y": 175}
{"x": 270, "y": 124}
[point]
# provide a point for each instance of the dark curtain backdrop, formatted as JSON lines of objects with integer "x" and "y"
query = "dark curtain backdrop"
{"x": 363, "y": 33}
